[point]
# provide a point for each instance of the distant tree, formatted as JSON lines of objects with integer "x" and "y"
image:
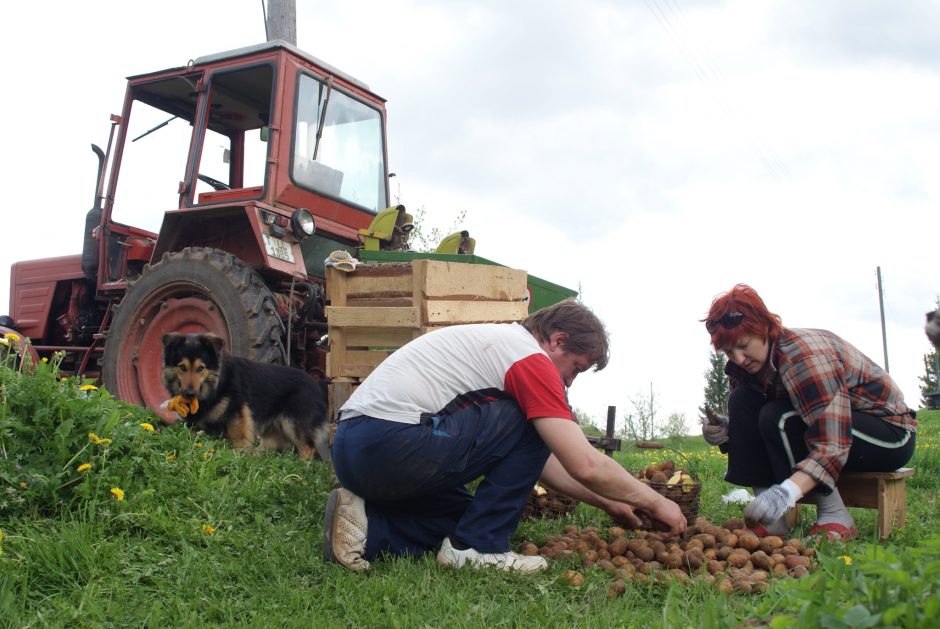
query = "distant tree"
{"x": 587, "y": 424}
{"x": 928, "y": 381}
{"x": 676, "y": 427}
{"x": 426, "y": 237}
{"x": 716, "y": 386}
{"x": 641, "y": 423}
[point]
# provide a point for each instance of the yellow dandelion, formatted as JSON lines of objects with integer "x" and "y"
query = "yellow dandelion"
{"x": 88, "y": 387}
{"x": 23, "y": 485}
{"x": 147, "y": 426}
{"x": 10, "y": 336}
{"x": 846, "y": 559}
{"x": 170, "y": 458}
{"x": 94, "y": 438}
{"x": 84, "y": 467}
{"x": 5, "y": 343}
{"x": 44, "y": 360}
{"x": 118, "y": 493}
{"x": 103, "y": 442}
{"x": 197, "y": 444}
{"x": 208, "y": 529}
{"x": 1, "y": 536}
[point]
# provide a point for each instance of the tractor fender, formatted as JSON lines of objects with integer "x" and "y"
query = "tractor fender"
{"x": 21, "y": 343}
{"x": 236, "y": 229}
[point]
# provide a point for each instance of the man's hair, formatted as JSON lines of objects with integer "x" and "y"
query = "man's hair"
{"x": 758, "y": 320}
{"x": 586, "y": 333}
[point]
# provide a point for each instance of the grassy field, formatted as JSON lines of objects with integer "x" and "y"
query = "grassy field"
{"x": 165, "y": 528}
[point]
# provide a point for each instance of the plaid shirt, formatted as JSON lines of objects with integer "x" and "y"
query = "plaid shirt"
{"x": 826, "y": 378}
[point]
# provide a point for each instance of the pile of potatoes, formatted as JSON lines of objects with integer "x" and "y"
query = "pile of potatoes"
{"x": 729, "y": 557}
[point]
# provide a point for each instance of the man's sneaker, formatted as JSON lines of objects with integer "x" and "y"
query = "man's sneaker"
{"x": 450, "y": 556}
{"x": 344, "y": 530}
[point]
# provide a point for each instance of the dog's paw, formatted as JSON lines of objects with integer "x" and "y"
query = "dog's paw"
{"x": 932, "y": 328}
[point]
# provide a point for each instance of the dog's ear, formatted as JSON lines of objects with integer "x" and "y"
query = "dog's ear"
{"x": 171, "y": 343}
{"x": 217, "y": 342}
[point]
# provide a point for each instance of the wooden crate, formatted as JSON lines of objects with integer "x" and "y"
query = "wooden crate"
{"x": 379, "y": 307}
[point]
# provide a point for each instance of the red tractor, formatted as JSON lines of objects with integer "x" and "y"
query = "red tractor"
{"x": 283, "y": 161}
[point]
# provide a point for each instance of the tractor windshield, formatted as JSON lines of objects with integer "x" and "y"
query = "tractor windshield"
{"x": 338, "y": 150}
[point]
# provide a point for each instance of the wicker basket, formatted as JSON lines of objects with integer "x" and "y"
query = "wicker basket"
{"x": 686, "y": 496}
{"x": 548, "y": 503}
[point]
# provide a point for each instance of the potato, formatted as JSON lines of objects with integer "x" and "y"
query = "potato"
{"x": 589, "y": 555}
{"x": 659, "y": 478}
{"x": 571, "y": 530}
{"x": 645, "y": 553}
{"x": 634, "y": 545}
{"x": 710, "y": 553}
{"x": 616, "y": 531}
{"x": 731, "y": 540}
{"x": 615, "y": 589}
{"x": 759, "y": 575}
{"x": 778, "y": 558}
{"x": 724, "y": 586}
{"x": 649, "y": 471}
{"x": 787, "y": 550}
{"x": 714, "y": 567}
{"x": 695, "y": 542}
{"x": 742, "y": 586}
{"x": 799, "y": 572}
{"x": 606, "y": 565}
{"x": 650, "y": 567}
{"x": 679, "y": 575}
{"x": 581, "y": 546}
{"x": 674, "y": 561}
{"x": 795, "y": 543}
{"x": 733, "y": 523}
{"x": 618, "y": 546}
{"x": 694, "y": 559}
{"x": 723, "y": 552}
{"x": 529, "y": 549}
{"x": 738, "y": 558}
{"x": 657, "y": 545}
{"x": 780, "y": 568}
{"x": 808, "y": 552}
{"x": 667, "y": 467}
{"x": 575, "y": 578}
{"x": 708, "y": 540}
{"x": 620, "y": 561}
{"x": 770, "y": 543}
{"x": 792, "y": 561}
{"x": 749, "y": 541}
{"x": 762, "y": 560}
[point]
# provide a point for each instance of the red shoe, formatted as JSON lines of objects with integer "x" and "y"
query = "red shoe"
{"x": 833, "y": 531}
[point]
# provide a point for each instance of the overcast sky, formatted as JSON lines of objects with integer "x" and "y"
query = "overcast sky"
{"x": 652, "y": 153}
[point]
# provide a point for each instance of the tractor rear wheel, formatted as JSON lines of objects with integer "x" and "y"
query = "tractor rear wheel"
{"x": 198, "y": 289}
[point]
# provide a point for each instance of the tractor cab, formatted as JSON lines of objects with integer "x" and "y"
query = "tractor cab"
{"x": 250, "y": 151}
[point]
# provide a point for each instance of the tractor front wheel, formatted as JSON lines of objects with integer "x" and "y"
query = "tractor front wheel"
{"x": 198, "y": 289}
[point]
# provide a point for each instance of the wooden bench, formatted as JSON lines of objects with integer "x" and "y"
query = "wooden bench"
{"x": 884, "y": 491}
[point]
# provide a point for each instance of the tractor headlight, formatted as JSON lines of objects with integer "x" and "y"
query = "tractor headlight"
{"x": 302, "y": 223}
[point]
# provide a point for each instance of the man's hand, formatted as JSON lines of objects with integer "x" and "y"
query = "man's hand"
{"x": 669, "y": 513}
{"x": 772, "y": 504}
{"x": 716, "y": 430}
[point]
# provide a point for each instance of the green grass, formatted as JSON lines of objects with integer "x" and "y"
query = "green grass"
{"x": 208, "y": 537}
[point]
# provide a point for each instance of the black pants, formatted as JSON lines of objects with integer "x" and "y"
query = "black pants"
{"x": 767, "y": 439}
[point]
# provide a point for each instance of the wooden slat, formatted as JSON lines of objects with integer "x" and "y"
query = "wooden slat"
{"x": 360, "y": 364}
{"x": 379, "y": 337}
{"x": 454, "y": 312}
{"x": 472, "y": 281}
{"x": 372, "y": 317}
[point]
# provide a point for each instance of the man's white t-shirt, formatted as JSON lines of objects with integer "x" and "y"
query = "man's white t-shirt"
{"x": 445, "y": 369}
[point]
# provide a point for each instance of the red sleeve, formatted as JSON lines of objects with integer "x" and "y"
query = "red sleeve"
{"x": 536, "y": 384}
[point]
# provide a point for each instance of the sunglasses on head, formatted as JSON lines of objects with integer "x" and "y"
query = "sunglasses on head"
{"x": 728, "y": 321}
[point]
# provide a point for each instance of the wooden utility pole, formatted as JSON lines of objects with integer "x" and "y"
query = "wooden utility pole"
{"x": 281, "y": 20}
{"x": 881, "y": 304}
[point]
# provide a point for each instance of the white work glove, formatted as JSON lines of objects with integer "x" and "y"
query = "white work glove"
{"x": 772, "y": 504}
{"x": 716, "y": 430}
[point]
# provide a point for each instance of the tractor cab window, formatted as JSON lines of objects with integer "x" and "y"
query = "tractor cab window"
{"x": 234, "y": 149}
{"x": 153, "y": 162}
{"x": 338, "y": 150}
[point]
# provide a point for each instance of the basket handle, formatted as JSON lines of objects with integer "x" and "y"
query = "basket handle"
{"x": 656, "y": 445}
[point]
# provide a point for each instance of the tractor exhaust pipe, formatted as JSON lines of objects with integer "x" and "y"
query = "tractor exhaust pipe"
{"x": 90, "y": 244}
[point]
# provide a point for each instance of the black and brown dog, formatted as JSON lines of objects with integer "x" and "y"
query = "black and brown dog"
{"x": 932, "y": 328}
{"x": 252, "y": 404}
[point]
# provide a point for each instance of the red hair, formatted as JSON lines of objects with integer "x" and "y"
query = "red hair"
{"x": 758, "y": 320}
